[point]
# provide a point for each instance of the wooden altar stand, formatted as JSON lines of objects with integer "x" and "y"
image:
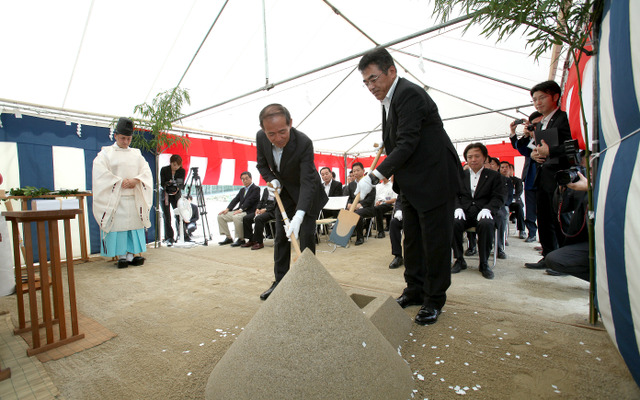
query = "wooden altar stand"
{"x": 50, "y": 283}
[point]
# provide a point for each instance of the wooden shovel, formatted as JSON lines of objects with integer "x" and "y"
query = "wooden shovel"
{"x": 294, "y": 241}
{"x": 347, "y": 220}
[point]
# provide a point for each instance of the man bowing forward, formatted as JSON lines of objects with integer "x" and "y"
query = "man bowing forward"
{"x": 285, "y": 159}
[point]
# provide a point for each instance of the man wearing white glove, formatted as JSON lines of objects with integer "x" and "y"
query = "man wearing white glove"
{"x": 285, "y": 159}
{"x": 480, "y": 197}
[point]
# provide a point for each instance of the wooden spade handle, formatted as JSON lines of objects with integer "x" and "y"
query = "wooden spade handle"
{"x": 373, "y": 166}
{"x": 294, "y": 241}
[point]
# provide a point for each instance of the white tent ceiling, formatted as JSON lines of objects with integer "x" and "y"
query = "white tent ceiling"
{"x": 105, "y": 57}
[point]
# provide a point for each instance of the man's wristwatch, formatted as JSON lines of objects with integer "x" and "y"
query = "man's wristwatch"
{"x": 374, "y": 179}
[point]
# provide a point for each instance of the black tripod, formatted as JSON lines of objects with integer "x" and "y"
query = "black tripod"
{"x": 194, "y": 179}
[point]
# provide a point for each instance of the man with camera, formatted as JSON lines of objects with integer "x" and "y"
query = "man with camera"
{"x": 573, "y": 257}
{"x": 551, "y": 157}
{"x": 525, "y": 146}
{"x": 171, "y": 181}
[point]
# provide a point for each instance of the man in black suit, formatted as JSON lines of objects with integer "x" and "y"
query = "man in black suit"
{"x": 550, "y": 159}
{"x": 364, "y": 208}
{"x": 331, "y": 187}
{"x": 285, "y": 159}
{"x": 477, "y": 205}
{"x": 525, "y": 146}
{"x": 427, "y": 173}
{"x": 171, "y": 182}
{"x": 265, "y": 212}
{"x": 246, "y": 200}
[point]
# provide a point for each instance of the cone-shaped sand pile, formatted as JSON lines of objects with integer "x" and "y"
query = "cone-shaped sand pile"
{"x": 309, "y": 340}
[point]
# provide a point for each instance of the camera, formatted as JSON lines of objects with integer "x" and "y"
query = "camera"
{"x": 518, "y": 122}
{"x": 172, "y": 187}
{"x": 530, "y": 127}
{"x": 567, "y": 176}
{"x": 571, "y": 150}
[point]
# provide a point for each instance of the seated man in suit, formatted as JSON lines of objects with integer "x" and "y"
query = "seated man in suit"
{"x": 365, "y": 207}
{"x": 246, "y": 200}
{"x": 265, "y": 212}
{"x": 480, "y": 197}
{"x": 332, "y": 188}
{"x": 385, "y": 199}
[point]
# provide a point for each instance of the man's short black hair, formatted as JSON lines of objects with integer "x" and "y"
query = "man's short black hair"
{"x": 272, "y": 110}
{"x": 355, "y": 164}
{"x": 534, "y": 115}
{"x": 505, "y": 162}
{"x": 378, "y": 56}
{"x": 246, "y": 173}
{"x": 327, "y": 168}
{"x": 477, "y": 145}
{"x": 548, "y": 87}
{"x": 494, "y": 159}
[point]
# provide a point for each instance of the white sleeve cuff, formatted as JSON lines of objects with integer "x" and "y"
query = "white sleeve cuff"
{"x": 378, "y": 174}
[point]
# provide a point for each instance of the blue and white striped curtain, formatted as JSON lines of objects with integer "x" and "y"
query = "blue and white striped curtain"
{"x": 617, "y": 193}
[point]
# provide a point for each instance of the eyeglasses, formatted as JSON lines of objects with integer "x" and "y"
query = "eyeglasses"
{"x": 540, "y": 98}
{"x": 371, "y": 81}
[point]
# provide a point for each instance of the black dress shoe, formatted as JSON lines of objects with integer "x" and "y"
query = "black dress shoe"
{"x": 359, "y": 241}
{"x": 553, "y": 272}
{"x": 123, "y": 263}
{"x": 459, "y": 265}
{"x": 137, "y": 261}
{"x": 405, "y": 301}
{"x": 530, "y": 239}
{"x": 266, "y": 294}
{"x": 486, "y": 272}
{"x": 380, "y": 235}
{"x": 427, "y": 315}
{"x": 471, "y": 252}
{"x": 225, "y": 241}
{"x": 502, "y": 255}
{"x": 539, "y": 265}
{"x": 396, "y": 263}
{"x": 237, "y": 243}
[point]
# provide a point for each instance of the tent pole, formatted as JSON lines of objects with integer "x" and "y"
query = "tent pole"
{"x": 340, "y": 61}
{"x": 266, "y": 53}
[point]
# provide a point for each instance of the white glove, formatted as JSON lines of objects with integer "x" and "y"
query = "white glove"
{"x": 294, "y": 224}
{"x": 276, "y": 186}
{"x": 459, "y": 214}
{"x": 484, "y": 213}
{"x": 398, "y": 215}
{"x": 364, "y": 187}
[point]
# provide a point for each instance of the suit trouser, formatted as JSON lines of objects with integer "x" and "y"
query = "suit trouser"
{"x": 572, "y": 259}
{"x": 530, "y": 213}
{"x": 380, "y": 210}
{"x": 260, "y": 222}
{"x": 166, "y": 214}
{"x": 427, "y": 251}
{"x": 224, "y": 219}
{"x": 548, "y": 228}
{"x": 364, "y": 212}
{"x": 484, "y": 229}
{"x": 395, "y": 235}
{"x": 247, "y": 225}
{"x": 282, "y": 246}
{"x": 502, "y": 219}
{"x": 517, "y": 208}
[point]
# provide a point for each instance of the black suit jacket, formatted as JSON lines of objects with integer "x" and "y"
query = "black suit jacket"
{"x": 301, "y": 187}
{"x": 489, "y": 194}
{"x": 335, "y": 189}
{"x": 265, "y": 203}
{"x": 545, "y": 176}
{"x": 246, "y": 203}
{"x": 165, "y": 176}
{"x": 420, "y": 155}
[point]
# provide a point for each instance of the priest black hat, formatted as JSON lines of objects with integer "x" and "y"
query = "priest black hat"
{"x": 124, "y": 127}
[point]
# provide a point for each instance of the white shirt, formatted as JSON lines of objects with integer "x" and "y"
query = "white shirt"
{"x": 545, "y": 120}
{"x": 385, "y": 192}
{"x": 475, "y": 178}
{"x": 386, "y": 102}
{"x": 277, "y": 155}
{"x": 327, "y": 187}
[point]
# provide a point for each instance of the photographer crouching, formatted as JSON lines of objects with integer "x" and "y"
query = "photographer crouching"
{"x": 171, "y": 181}
{"x": 572, "y": 257}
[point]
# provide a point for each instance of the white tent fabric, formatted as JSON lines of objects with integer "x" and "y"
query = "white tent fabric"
{"x": 104, "y": 57}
